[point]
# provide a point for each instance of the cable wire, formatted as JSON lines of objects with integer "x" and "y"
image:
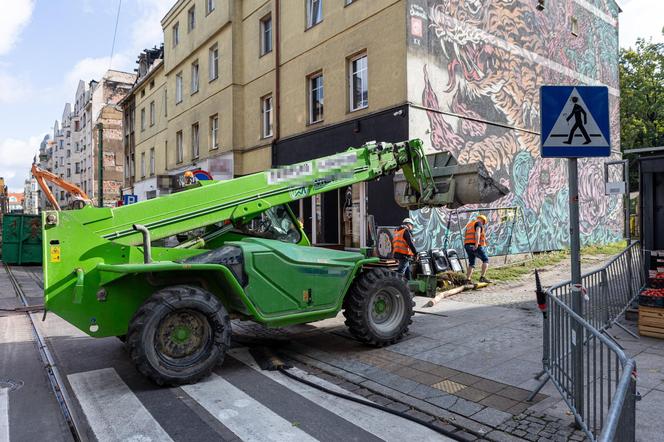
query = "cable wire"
{"x": 115, "y": 33}
{"x": 374, "y": 405}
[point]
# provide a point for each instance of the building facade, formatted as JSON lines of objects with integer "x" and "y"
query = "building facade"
{"x": 254, "y": 84}
{"x": 73, "y": 153}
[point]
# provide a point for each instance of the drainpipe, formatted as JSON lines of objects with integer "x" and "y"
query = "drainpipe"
{"x": 277, "y": 81}
{"x": 100, "y": 186}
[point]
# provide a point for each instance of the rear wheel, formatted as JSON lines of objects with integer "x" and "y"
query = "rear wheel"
{"x": 179, "y": 335}
{"x": 378, "y": 307}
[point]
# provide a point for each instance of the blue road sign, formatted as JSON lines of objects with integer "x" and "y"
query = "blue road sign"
{"x": 129, "y": 199}
{"x": 575, "y": 121}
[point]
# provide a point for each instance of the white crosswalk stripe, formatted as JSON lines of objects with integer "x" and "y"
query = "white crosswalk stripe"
{"x": 4, "y": 414}
{"x": 113, "y": 411}
{"x": 379, "y": 423}
{"x": 250, "y": 420}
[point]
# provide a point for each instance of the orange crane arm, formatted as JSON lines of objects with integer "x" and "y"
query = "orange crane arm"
{"x": 42, "y": 176}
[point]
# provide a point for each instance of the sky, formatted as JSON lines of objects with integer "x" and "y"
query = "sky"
{"x": 46, "y": 46}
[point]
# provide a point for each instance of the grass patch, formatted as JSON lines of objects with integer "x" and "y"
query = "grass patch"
{"x": 511, "y": 272}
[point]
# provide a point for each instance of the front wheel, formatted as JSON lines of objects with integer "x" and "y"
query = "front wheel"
{"x": 378, "y": 307}
{"x": 179, "y": 335}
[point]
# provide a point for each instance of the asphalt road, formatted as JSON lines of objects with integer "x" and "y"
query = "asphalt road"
{"x": 111, "y": 401}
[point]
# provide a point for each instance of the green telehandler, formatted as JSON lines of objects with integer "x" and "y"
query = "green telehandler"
{"x": 242, "y": 254}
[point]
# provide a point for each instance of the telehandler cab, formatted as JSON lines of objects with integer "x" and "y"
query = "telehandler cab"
{"x": 107, "y": 271}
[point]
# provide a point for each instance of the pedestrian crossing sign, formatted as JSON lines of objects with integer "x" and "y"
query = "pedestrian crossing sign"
{"x": 575, "y": 121}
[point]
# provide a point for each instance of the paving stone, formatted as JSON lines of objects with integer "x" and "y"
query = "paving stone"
{"x": 349, "y": 386}
{"x": 363, "y": 392}
{"x": 519, "y": 433}
{"x": 418, "y": 376}
{"x": 465, "y": 408}
{"x": 518, "y": 394}
{"x": 444, "y": 425}
{"x": 518, "y": 408}
{"x": 490, "y": 386}
{"x": 381, "y": 400}
{"x": 491, "y": 416}
{"x": 449, "y": 386}
{"x": 501, "y": 436}
{"x": 531, "y": 437}
{"x": 419, "y": 415}
{"x": 472, "y": 394}
{"x": 398, "y": 406}
{"x": 499, "y": 402}
{"x": 466, "y": 379}
{"x": 465, "y": 435}
{"x": 445, "y": 401}
{"x": 426, "y": 392}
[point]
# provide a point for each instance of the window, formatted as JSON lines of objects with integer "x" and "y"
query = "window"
{"x": 152, "y": 112}
{"x": 314, "y": 12}
{"x": 209, "y": 6}
{"x": 266, "y": 35}
{"x": 151, "y": 84}
{"x": 191, "y": 19}
{"x": 179, "y": 148}
{"x": 77, "y": 167}
{"x": 143, "y": 119}
{"x": 194, "y": 77}
{"x": 176, "y": 34}
{"x": 142, "y": 93}
{"x": 195, "y": 146}
{"x": 152, "y": 161}
{"x": 214, "y": 62}
{"x": 316, "y": 98}
{"x": 132, "y": 165}
{"x": 142, "y": 164}
{"x": 165, "y": 103}
{"x": 266, "y": 114}
{"x": 178, "y": 88}
{"x": 214, "y": 131}
{"x": 68, "y": 172}
{"x": 358, "y": 83}
{"x": 126, "y": 169}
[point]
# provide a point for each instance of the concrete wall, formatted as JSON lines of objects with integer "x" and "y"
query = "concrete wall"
{"x": 474, "y": 71}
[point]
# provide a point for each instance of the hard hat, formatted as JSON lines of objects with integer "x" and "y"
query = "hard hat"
{"x": 407, "y": 221}
{"x": 189, "y": 174}
{"x": 483, "y": 218}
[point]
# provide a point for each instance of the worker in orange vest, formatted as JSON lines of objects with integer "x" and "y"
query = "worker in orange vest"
{"x": 403, "y": 248}
{"x": 475, "y": 243}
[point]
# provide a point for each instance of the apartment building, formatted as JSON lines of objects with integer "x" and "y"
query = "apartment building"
{"x": 73, "y": 153}
{"x": 255, "y": 84}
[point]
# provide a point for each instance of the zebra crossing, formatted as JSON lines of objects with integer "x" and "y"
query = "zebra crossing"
{"x": 249, "y": 404}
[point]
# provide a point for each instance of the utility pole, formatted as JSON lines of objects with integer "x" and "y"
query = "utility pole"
{"x": 100, "y": 187}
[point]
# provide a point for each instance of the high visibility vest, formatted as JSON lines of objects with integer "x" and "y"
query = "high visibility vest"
{"x": 399, "y": 244}
{"x": 471, "y": 234}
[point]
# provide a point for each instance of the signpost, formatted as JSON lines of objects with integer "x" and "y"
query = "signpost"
{"x": 575, "y": 124}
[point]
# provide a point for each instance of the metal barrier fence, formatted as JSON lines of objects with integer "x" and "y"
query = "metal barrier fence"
{"x": 588, "y": 368}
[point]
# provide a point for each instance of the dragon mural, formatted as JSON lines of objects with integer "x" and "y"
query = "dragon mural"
{"x": 475, "y": 67}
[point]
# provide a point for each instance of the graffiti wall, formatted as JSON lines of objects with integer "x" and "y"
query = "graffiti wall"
{"x": 474, "y": 71}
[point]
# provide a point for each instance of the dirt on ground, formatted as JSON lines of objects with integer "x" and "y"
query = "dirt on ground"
{"x": 520, "y": 293}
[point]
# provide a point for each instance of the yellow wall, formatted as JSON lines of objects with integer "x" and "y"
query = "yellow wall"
{"x": 152, "y": 136}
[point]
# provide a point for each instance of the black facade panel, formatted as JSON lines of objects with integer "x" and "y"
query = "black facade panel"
{"x": 389, "y": 126}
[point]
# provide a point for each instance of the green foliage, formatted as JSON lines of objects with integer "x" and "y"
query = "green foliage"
{"x": 642, "y": 96}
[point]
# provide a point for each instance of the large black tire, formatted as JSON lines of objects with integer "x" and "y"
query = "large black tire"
{"x": 179, "y": 335}
{"x": 378, "y": 307}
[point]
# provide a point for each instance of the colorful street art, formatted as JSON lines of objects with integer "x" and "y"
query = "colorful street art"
{"x": 474, "y": 71}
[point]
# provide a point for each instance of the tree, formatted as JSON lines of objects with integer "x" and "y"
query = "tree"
{"x": 642, "y": 96}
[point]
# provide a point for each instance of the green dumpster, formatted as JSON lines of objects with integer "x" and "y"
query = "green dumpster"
{"x": 21, "y": 239}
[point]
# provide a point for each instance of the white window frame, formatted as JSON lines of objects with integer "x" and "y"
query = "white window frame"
{"x": 267, "y": 116}
{"x": 351, "y": 76}
{"x": 178, "y": 87}
{"x": 179, "y": 147}
{"x": 152, "y": 113}
{"x": 176, "y": 34}
{"x": 209, "y": 6}
{"x": 313, "y": 90}
{"x": 195, "y": 71}
{"x": 266, "y": 34}
{"x": 191, "y": 18}
{"x": 152, "y": 161}
{"x": 142, "y": 164}
{"x": 142, "y": 119}
{"x": 213, "y": 62}
{"x": 214, "y": 132}
{"x": 310, "y": 10}
{"x": 195, "y": 140}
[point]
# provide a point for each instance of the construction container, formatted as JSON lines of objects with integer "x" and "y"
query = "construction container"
{"x": 21, "y": 239}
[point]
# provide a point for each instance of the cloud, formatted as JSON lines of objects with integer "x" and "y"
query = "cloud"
{"x": 13, "y": 20}
{"x": 640, "y": 18}
{"x": 12, "y": 88}
{"x": 15, "y": 159}
{"x": 146, "y": 29}
{"x": 92, "y": 68}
